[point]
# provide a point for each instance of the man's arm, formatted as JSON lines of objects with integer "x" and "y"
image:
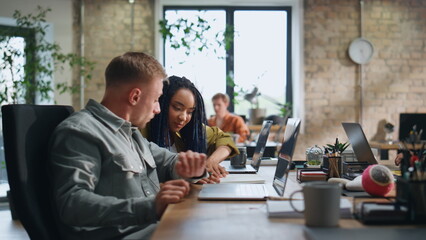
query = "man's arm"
{"x": 241, "y": 128}
{"x": 76, "y": 160}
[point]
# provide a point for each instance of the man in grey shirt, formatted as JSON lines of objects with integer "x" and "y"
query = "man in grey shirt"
{"x": 106, "y": 176}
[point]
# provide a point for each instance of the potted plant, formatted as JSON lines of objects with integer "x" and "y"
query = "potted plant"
{"x": 314, "y": 156}
{"x": 27, "y": 74}
{"x": 332, "y": 161}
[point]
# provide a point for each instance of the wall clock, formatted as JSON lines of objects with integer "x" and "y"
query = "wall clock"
{"x": 361, "y": 50}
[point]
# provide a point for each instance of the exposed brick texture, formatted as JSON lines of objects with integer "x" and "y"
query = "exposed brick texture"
{"x": 394, "y": 81}
{"x": 107, "y": 33}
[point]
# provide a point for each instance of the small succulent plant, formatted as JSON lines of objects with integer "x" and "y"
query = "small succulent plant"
{"x": 336, "y": 149}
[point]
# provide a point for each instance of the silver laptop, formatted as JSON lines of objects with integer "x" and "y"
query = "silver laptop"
{"x": 236, "y": 191}
{"x": 359, "y": 143}
{"x": 257, "y": 155}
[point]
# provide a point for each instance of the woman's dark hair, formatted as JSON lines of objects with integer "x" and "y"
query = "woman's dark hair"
{"x": 193, "y": 134}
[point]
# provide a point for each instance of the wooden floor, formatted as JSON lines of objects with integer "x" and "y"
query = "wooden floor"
{"x": 9, "y": 229}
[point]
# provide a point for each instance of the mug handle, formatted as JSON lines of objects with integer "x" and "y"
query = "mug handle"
{"x": 291, "y": 202}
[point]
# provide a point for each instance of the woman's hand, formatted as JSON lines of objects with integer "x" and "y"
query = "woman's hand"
{"x": 213, "y": 178}
{"x": 215, "y": 169}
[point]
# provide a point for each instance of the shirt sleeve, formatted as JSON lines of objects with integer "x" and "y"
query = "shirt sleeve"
{"x": 241, "y": 128}
{"x": 165, "y": 161}
{"x": 211, "y": 121}
{"x": 217, "y": 138}
{"x": 75, "y": 163}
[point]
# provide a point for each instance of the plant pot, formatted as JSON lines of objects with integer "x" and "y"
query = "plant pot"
{"x": 257, "y": 115}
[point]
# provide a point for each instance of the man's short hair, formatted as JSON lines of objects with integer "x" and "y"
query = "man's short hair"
{"x": 224, "y": 97}
{"x": 133, "y": 67}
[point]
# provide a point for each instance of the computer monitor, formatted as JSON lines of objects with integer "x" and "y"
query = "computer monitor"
{"x": 406, "y": 123}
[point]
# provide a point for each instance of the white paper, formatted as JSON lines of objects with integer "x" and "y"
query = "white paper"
{"x": 242, "y": 178}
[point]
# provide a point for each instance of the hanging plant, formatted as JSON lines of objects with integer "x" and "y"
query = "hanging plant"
{"x": 190, "y": 35}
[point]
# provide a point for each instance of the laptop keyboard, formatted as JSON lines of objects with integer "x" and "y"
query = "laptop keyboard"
{"x": 251, "y": 189}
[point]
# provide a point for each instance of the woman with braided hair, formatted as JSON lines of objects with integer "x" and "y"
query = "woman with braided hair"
{"x": 182, "y": 126}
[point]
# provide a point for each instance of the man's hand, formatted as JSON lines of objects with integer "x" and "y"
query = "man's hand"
{"x": 170, "y": 192}
{"x": 191, "y": 164}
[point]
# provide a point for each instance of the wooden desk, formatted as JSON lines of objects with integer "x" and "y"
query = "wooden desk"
{"x": 241, "y": 220}
{"x": 256, "y": 128}
{"x": 384, "y": 147}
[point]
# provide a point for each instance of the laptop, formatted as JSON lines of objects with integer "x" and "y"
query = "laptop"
{"x": 236, "y": 191}
{"x": 257, "y": 155}
{"x": 359, "y": 143}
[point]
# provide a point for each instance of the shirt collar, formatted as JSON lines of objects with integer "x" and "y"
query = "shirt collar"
{"x": 107, "y": 117}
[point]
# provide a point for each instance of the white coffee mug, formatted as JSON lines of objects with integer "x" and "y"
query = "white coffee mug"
{"x": 322, "y": 203}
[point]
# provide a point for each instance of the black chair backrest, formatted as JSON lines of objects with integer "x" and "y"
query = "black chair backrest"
{"x": 26, "y": 132}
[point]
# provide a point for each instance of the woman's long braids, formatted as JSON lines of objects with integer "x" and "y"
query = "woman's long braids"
{"x": 193, "y": 134}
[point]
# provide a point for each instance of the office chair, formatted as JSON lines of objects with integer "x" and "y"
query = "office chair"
{"x": 26, "y": 132}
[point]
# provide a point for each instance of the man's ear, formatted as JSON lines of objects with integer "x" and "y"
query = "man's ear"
{"x": 134, "y": 96}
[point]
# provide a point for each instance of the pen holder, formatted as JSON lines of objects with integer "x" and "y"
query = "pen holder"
{"x": 413, "y": 195}
{"x": 334, "y": 167}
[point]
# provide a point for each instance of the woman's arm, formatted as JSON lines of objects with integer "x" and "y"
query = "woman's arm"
{"x": 219, "y": 147}
{"x": 213, "y": 161}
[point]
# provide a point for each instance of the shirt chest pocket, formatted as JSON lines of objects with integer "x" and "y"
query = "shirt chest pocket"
{"x": 127, "y": 165}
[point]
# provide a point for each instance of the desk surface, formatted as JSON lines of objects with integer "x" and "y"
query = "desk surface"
{"x": 393, "y": 146}
{"x": 257, "y": 128}
{"x": 237, "y": 220}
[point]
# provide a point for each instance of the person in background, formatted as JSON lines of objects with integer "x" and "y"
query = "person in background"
{"x": 108, "y": 181}
{"x": 227, "y": 121}
{"x": 181, "y": 126}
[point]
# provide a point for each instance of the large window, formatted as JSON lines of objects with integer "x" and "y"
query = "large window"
{"x": 257, "y": 56}
{"x": 12, "y": 62}
{"x": 13, "y": 52}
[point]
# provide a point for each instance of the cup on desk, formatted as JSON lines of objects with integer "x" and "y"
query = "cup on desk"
{"x": 240, "y": 159}
{"x": 322, "y": 203}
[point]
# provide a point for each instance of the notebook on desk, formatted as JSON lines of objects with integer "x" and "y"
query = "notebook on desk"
{"x": 235, "y": 191}
{"x": 258, "y": 152}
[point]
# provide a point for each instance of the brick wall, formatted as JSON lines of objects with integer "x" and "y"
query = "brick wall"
{"x": 107, "y": 33}
{"x": 394, "y": 80}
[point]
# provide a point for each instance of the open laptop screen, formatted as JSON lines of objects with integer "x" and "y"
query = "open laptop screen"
{"x": 261, "y": 143}
{"x": 285, "y": 156}
{"x": 359, "y": 143}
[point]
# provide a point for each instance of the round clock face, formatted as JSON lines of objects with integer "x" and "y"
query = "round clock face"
{"x": 361, "y": 50}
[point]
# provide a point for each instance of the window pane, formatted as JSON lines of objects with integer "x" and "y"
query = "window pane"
{"x": 12, "y": 63}
{"x": 12, "y": 69}
{"x": 206, "y": 68}
{"x": 260, "y": 57}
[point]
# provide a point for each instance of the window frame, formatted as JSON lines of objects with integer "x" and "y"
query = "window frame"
{"x": 229, "y": 61}
{"x": 30, "y": 40}
{"x": 297, "y": 39}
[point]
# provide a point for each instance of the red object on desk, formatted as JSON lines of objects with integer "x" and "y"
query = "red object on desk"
{"x": 377, "y": 180}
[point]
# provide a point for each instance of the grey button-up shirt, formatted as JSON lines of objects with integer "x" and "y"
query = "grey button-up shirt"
{"x": 105, "y": 175}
